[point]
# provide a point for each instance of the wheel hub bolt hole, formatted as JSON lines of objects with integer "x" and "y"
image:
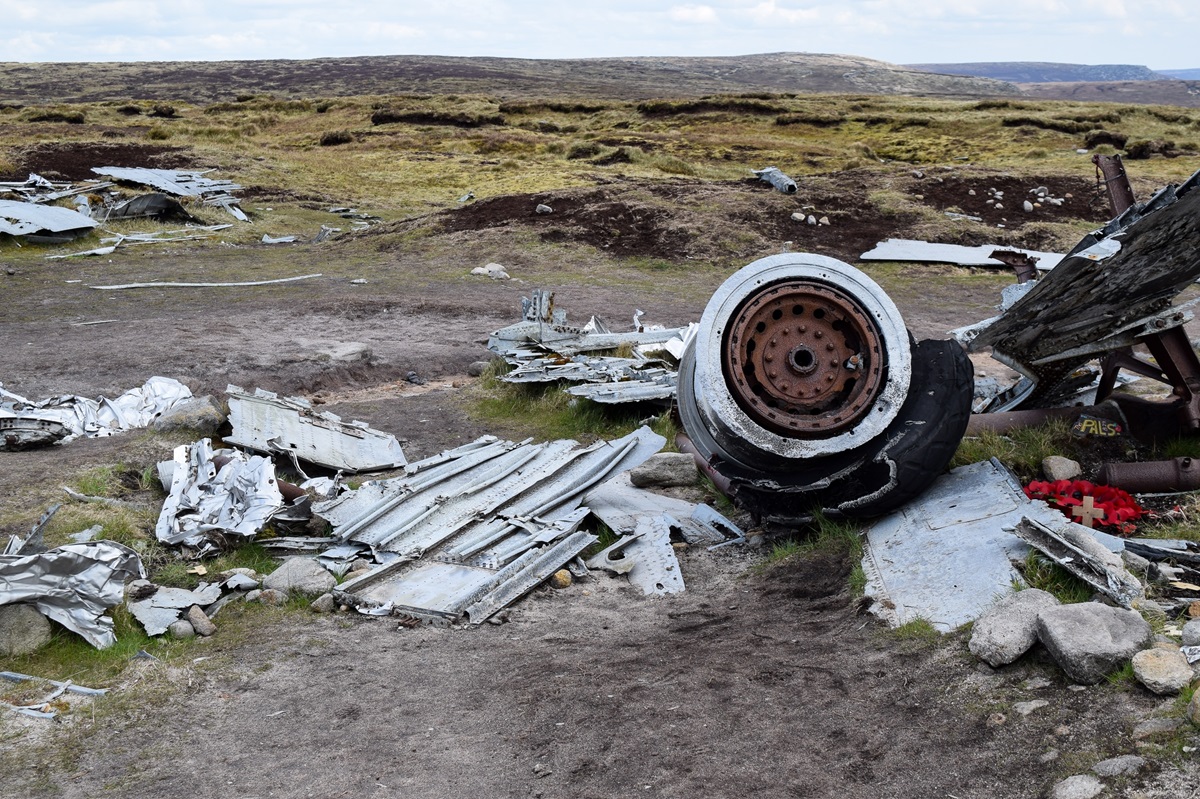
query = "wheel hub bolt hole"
{"x": 803, "y": 360}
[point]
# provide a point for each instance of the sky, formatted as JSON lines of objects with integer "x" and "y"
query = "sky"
{"x": 1154, "y": 33}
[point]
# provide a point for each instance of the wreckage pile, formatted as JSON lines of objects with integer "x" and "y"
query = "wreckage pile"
{"x": 800, "y": 392}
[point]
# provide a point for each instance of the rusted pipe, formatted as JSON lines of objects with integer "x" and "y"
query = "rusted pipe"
{"x": 1179, "y": 474}
{"x": 1007, "y": 421}
{"x": 719, "y": 481}
{"x": 1116, "y": 182}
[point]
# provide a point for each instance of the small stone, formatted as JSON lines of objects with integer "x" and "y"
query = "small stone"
{"x": 1062, "y": 730}
{"x": 1193, "y": 610}
{"x": 253, "y": 594}
{"x": 414, "y": 378}
{"x": 1081, "y": 786}
{"x": 542, "y": 770}
{"x": 1191, "y": 632}
{"x": 918, "y": 173}
{"x": 1068, "y": 195}
{"x": 918, "y": 196}
{"x": 1049, "y": 756}
{"x": 494, "y": 271}
{"x": 477, "y": 368}
{"x": 323, "y": 604}
{"x": 542, "y": 208}
{"x": 812, "y": 220}
{"x": 1124, "y": 764}
{"x": 823, "y": 220}
{"x": 181, "y": 628}
{"x": 1025, "y": 708}
{"x": 1056, "y": 467}
{"x": 561, "y": 579}
{"x": 798, "y": 217}
{"x": 271, "y": 596}
{"x": 1153, "y": 728}
{"x": 200, "y": 622}
{"x": 23, "y": 629}
{"x": 1164, "y": 672}
{"x": 998, "y": 206}
{"x": 666, "y": 470}
{"x": 1056, "y": 201}
{"x": 989, "y": 202}
{"x": 971, "y": 192}
{"x": 997, "y": 720}
{"x": 1193, "y": 709}
{"x": 1036, "y": 684}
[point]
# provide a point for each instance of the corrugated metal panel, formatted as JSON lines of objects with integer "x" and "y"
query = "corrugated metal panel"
{"x": 266, "y": 422}
{"x": 487, "y": 509}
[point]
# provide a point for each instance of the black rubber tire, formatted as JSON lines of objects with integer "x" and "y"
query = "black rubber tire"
{"x": 920, "y": 442}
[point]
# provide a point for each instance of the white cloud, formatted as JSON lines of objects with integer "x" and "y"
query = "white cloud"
{"x": 699, "y": 14}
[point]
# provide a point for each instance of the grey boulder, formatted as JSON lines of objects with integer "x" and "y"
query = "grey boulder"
{"x": 199, "y": 413}
{"x": 23, "y": 629}
{"x": 300, "y": 576}
{"x": 1089, "y": 640}
{"x": 1009, "y": 628}
{"x": 1081, "y": 786}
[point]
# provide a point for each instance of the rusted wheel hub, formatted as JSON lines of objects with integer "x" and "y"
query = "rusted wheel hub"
{"x": 803, "y": 358}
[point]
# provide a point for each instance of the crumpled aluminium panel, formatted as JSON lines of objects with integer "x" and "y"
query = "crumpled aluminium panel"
{"x": 90, "y": 418}
{"x": 265, "y": 422}
{"x": 159, "y": 610}
{"x": 24, "y": 219}
{"x": 482, "y": 507}
{"x": 237, "y": 498}
{"x": 73, "y": 585}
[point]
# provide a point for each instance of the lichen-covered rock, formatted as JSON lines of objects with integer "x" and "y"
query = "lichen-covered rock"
{"x": 1164, "y": 671}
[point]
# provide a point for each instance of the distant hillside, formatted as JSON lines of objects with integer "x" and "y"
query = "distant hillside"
{"x": 1038, "y": 72}
{"x": 1181, "y": 74}
{"x": 618, "y": 78}
{"x": 1143, "y": 92}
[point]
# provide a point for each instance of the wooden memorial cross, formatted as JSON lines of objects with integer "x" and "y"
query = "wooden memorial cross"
{"x": 1088, "y": 513}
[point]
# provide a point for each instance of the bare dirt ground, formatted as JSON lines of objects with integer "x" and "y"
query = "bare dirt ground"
{"x": 751, "y": 683}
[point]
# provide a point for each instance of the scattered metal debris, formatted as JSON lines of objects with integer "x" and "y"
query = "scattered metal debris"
{"x": 157, "y": 607}
{"x": 543, "y": 348}
{"x": 66, "y": 417}
{"x": 267, "y": 239}
{"x": 803, "y": 388}
{"x": 645, "y": 557}
{"x": 958, "y": 254}
{"x": 204, "y": 285}
{"x": 475, "y": 525}
{"x": 180, "y": 184}
{"x": 45, "y": 707}
{"x": 159, "y": 206}
{"x": 215, "y": 493}
{"x": 777, "y": 179}
{"x": 266, "y": 422}
{"x": 73, "y": 585}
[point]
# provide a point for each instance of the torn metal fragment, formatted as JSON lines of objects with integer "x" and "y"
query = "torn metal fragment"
{"x": 27, "y": 219}
{"x": 620, "y": 505}
{"x": 165, "y": 606}
{"x": 776, "y": 178}
{"x": 1075, "y": 549}
{"x": 958, "y": 254}
{"x": 73, "y": 584}
{"x": 266, "y": 422}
